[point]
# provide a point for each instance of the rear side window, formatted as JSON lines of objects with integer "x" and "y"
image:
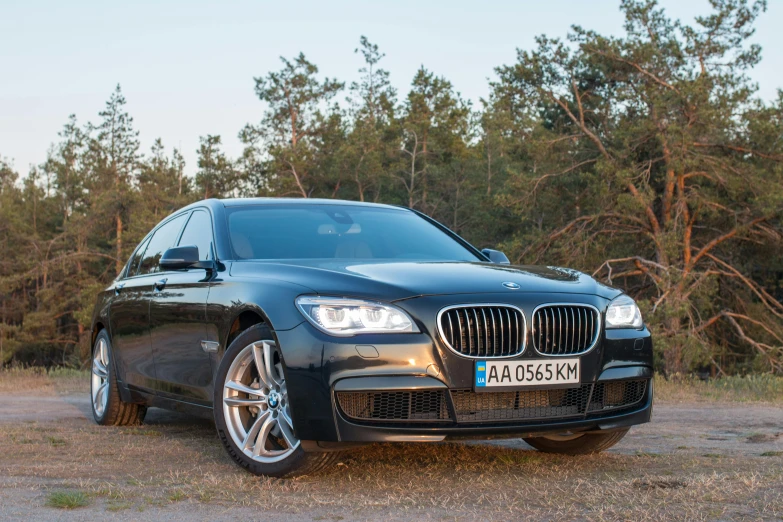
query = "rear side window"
{"x": 198, "y": 232}
{"x": 163, "y": 239}
{"x": 133, "y": 263}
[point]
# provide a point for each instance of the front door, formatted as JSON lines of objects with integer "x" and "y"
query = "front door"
{"x": 177, "y": 322}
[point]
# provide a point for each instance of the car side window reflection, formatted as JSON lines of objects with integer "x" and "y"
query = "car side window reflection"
{"x": 198, "y": 232}
{"x": 163, "y": 239}
{"x": 133, "y": 263}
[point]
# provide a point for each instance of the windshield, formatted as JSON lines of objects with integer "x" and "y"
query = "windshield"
{"x": 338, "y": 232}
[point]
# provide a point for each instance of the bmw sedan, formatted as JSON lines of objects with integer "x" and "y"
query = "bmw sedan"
{"x": 307, "y": 327}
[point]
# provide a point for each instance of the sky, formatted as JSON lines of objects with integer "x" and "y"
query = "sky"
{"x": 187, "y": 67}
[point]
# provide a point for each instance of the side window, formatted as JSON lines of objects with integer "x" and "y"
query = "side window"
{"x": 133, "y": 263}
{"x": 198, "y": 232}
{"x": 163, "y": 239}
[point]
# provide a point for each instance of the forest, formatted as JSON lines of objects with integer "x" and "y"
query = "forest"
{"x": 647, "y": 160}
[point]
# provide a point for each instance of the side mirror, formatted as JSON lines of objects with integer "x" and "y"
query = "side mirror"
{"x": 496, "y": 256}
{"x": 178, "y": 258}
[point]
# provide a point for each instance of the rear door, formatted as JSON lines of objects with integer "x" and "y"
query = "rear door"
{"x": 177, "y": 321}
{"x": 129, "y": 327}
{"x": 129, "y": 310}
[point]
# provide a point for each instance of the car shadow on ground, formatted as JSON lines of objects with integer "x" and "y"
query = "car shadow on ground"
{"x": 192, "y": 430}
{"x": 154, "y": 416}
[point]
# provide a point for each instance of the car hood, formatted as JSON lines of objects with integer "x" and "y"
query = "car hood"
{"x": 392, "y": 281}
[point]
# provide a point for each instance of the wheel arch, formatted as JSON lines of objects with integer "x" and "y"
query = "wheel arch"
{"x": 250, "y": 316}
{"x": 96, "y": 329}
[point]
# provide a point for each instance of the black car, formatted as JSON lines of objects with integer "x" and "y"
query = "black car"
{"x": 304, "y": 327}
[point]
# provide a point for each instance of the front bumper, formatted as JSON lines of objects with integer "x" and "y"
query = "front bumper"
{"x": 490, "y": 414}
{"x": 319, "y": 366}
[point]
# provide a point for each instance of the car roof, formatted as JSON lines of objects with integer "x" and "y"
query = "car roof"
{"x": 215, "y": 204}
{"x": 239, "y": 202}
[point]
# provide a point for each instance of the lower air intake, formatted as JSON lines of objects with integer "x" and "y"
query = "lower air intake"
{"x": 533, "y": 404}
{"x": 394, "y": 406}
{"x": 617, "y": 395}
{"x": 588, "y": 400}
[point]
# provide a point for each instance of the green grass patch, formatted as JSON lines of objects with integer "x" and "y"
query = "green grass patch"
{"x": 177, "y": 496}
{"x": 67, "y": 373}
{"x": 67, "y": 499}
{"x": 737, "y": 388}
{"x": 772, "y": 454}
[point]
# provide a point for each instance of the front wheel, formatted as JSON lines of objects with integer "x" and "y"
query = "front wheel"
{"x": 577, "y": 443}
{"x": 252, "y": 411}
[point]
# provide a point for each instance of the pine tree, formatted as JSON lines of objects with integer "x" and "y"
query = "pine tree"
{"x": 114, "y": 162}
{"x": 297, "y": 127}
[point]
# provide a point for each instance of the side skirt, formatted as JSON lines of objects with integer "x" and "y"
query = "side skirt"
{"x": 138, "y": 396}
{"x": 205, "y": 412}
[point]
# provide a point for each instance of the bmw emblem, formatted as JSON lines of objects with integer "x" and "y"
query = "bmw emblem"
{"x": 511, "y": 286}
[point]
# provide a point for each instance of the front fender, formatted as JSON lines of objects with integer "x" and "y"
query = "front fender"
{"x": 270, "y": 299}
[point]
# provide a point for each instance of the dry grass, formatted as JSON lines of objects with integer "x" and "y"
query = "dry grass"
{"x": 54, "y": 380}
{"x": 751, "y": 388}
{"x": 124, "y": 468}
{"x": 178, "y": 463}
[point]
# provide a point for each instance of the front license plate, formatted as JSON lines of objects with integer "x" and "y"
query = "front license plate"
{"x": 538, "y": 373}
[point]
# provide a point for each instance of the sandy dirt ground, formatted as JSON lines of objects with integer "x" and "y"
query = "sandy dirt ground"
{"x": 695, "y": 461}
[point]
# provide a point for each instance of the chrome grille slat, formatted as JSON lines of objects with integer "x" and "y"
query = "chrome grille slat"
{"x": 502, "y": 331}
{"x": 565, "y": 329}
{"x": 546, "y": 315}
{"x": 486, "y": 329}
{"x": 483, "y": 330}
{"x": 470, "y": 333}
{"x": 451, "y": 330}
{"x": 494, "y": 333}
{"x": 461, "y": 342}
{"x": 573, "y": 328}
{"x": 478, "y": 331}
{"x": 559, "y": 331}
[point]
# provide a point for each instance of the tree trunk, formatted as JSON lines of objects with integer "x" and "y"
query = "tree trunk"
{"x": 673, "y": 355}
{"x": 118, "y": 262}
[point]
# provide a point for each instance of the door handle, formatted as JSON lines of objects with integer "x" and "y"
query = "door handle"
{"x": 118, "y": 287}
{"x": 160, "y": 284}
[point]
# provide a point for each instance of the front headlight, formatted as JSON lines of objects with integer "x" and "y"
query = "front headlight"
{"x": 344, "y": 316}
{"x": 623, "y": 313}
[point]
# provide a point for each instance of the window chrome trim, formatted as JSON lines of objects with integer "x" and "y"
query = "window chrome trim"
{"x": 598, "y": 332}
{"x": 476, "y": 305}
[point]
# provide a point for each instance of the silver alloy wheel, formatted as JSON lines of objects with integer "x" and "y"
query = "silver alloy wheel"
{"x": 255, "y": 404}
{"x": 100, "y": 377}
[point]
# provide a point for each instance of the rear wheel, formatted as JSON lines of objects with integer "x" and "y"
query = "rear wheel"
{"x": 108, "y": 408}
{"x": 252, "y": 411}
{"x": 577, "y": 443}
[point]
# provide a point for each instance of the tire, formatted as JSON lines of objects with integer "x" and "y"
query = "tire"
{"x": 270, "y": 449}
{"x": 108, "y": 408}
{"x": 581, "y": 445}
